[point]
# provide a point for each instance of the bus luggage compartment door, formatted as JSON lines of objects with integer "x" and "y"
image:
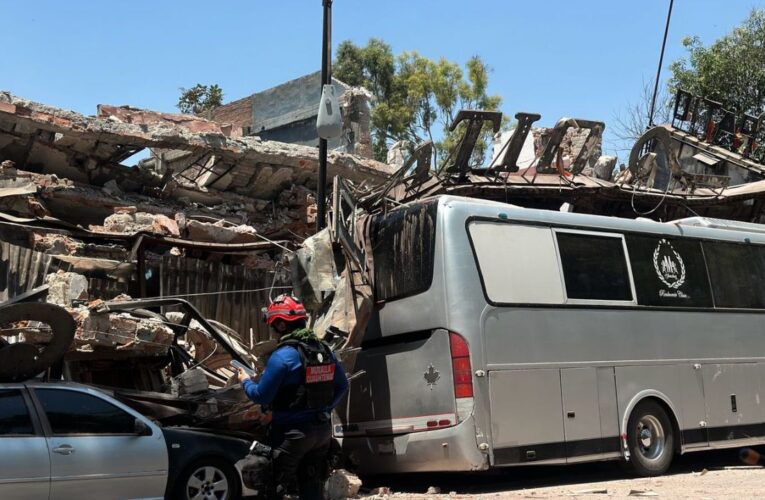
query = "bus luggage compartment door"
{"x": 733, "y": 403}
{"x": 526, "y": 416}
{"x": 590, "y": 415}
{"x": 407, "y": 387}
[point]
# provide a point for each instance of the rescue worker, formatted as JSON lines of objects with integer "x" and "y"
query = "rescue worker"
{"x": 301, "y": 384}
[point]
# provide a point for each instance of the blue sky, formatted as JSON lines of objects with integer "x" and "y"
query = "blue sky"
{"x": 585, "y": 59}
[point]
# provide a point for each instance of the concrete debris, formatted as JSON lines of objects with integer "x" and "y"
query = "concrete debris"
{"x": 342, "y": 484}
{"x": 398, "y": 153}
{"x": 122, "y": 331}
{"x": 433, "y": 490}
{"x": 65, "y": 287}
{"x": 356, "y": 112}
{"x": 381, "y": 491}
{"x": 111, "y": 187}
{"x": 190, "y": 382}
{"x": 209, "y": 408}
{"x": 200, "y": 196}
{"x": 165, "y": 225}
{"x": 129, "y": 222}
{"x": 85, "y": 148}
{"x": 55, "y": 244}
{"x": 221, "y": 232}
{"x": 604, "y": 168}
{"x": 142, "y": 117}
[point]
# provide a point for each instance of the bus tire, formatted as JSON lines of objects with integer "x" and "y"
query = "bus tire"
{"x": 651, "y": 439}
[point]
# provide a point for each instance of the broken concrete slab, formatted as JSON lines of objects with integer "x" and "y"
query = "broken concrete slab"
{"x": 129, "y": 223}
{"x": 143, "y": 117}
{"x": 220, "y": 232}
{"x": 65, "y": 287}
{"x": 190, "y": 382}
{"x": 89, "y": 148}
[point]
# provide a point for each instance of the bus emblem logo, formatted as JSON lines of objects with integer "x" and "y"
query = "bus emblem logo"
{"x": 668, "y": 264}
{"x": 431, "y": 376}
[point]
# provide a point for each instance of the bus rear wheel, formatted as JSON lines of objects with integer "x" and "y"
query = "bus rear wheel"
{"x": 650, "y": 439}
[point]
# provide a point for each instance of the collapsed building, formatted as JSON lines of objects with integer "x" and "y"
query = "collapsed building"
{"x": 164, "y": 264}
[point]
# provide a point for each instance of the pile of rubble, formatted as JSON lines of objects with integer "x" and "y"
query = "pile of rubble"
{"x": 200, "y": 211}
{"x": 118, "y": 331}
{"x": 119, "y": 217}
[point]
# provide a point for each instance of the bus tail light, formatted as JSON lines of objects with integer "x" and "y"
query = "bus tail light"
{"x": 461, "y": 369}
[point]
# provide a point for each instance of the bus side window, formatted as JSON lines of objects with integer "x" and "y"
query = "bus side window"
{"x": 668, "y": 271}
{"x": 594, "y": 267}
{"x": 737, "y": 272}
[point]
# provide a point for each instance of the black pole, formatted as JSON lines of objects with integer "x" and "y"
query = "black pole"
{"x": 326, "y": 79}
{"x": 658, "y": 70}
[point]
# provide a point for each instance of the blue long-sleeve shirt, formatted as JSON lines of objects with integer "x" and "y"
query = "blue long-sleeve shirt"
{"x": 285, "y": 368}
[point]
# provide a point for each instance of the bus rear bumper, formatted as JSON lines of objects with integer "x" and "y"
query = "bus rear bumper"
{"x": 452, "y": 449}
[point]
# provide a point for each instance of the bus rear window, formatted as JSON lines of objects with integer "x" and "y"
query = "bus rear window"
{"x": 404, "y": 243}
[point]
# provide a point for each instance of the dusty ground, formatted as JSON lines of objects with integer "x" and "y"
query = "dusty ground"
{"x": 706, "y": 475}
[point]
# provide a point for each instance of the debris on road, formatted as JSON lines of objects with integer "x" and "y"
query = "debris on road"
{"x": 342, "y": 484}
{"x": 642, "y": 493}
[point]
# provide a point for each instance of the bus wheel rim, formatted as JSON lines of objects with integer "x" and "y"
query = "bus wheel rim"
{"x": 651, "y": 437}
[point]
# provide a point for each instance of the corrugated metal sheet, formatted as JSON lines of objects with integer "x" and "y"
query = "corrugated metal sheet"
{"x": 219, "y": 291}
{"x": 105, "y": 289}
{"x": 22, "y": 269}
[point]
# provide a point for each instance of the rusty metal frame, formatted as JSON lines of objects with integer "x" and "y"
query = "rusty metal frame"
{"x": 421, "y": 156}
{"x": 507, "y": 159}
{"x": 544, "y": 165}
{"x": 646, "y": 143}
{"x": 464, "y": 151}
{"x": 685, "y": 110}
{"x": 344, "y": 211}
{"x": 203, "y": 168}
{"x": 190, "y": 312}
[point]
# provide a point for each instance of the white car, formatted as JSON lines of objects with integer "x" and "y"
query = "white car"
{"x": 65, "y": 440}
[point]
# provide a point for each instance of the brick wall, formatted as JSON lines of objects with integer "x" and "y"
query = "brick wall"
{"x": 238, "y": 113}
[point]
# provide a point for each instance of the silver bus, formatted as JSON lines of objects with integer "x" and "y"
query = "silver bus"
{"x": 507, "y": 336}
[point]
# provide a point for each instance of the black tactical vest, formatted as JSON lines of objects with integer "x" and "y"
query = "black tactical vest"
{"x": 317, "y": 390}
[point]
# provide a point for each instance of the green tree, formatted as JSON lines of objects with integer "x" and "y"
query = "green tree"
{"x": 731, "y": 70}
{"x": 200, "y": 98}
{"x": 416, "y": 98}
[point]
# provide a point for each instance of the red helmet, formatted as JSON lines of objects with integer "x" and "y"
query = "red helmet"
{"x": 284, "y": 307}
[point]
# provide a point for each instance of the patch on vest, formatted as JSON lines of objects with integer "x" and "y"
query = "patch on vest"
{"x": 320, "y": 373}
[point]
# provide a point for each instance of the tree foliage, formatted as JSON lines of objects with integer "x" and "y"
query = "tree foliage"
{"x": 632, "y": 121}
{"x": 731, "y": 70}
{"x": 416, "y": 98}
{"x": 200, "y": 98}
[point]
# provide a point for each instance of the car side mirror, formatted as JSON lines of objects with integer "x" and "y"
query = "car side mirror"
{"x": 141, "y": 429}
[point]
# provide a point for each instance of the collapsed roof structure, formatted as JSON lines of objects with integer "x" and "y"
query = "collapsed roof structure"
{"x": 203, "y": 216}
{"x": 164, "y": 264}
{"x": 707, "y": 162}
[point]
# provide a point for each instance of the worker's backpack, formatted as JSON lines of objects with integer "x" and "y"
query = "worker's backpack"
{"x": 317, "y": 389}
